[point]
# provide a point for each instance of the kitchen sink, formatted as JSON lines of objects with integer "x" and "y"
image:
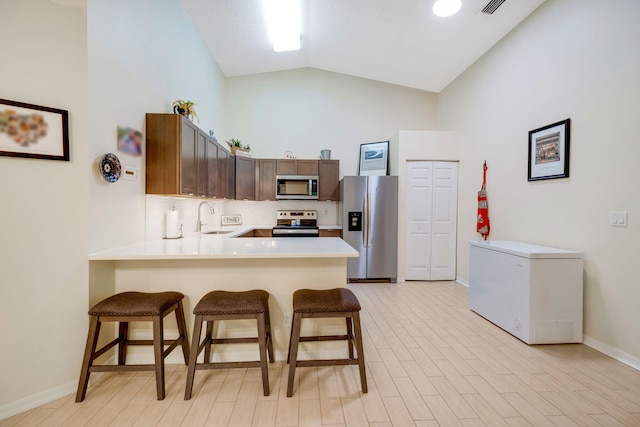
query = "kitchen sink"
{"x": 216, "y": 232}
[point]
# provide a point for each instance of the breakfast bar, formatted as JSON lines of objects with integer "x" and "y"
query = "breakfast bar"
{"x": 199, "y": 263}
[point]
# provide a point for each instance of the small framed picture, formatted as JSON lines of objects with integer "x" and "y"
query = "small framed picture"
{"x": 130, "y": 141}
{"x": 374, "y": 158}
{"x": 549, "y": 152}
{"x": 33, "y": 131}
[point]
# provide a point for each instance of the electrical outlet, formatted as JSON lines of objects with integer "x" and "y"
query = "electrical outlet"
{"x": 287, "y": 319}
{"x": 231, "y": 220}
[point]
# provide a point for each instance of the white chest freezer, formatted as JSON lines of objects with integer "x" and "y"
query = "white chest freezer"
{"x": 533, "y": 292}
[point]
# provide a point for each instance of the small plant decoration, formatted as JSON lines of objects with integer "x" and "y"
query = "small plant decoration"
{"x": 185, "y": 108}
{"x": 236, "y": 144}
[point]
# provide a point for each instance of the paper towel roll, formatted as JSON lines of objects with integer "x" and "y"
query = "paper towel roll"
{"x": 172, "y": 225}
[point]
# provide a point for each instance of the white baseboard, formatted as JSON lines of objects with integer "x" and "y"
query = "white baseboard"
{"x": 613, "y": 352}
{"x": 38, "y": 399}
{"x": 462, "y": 281}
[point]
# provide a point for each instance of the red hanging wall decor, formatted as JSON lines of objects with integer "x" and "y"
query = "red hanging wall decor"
{"x": 483, "y": 227}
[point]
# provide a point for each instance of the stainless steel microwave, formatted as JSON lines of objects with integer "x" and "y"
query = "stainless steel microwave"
{"x": 296, "y": 187}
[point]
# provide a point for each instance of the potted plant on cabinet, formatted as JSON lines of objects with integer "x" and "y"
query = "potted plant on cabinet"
{"x": 237, "y": 146}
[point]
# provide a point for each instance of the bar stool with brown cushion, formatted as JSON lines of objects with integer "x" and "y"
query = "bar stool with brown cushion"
{"x": 128, "y": 307}
{"x": 224, "y": 305}
{"x": 339, "y": 302}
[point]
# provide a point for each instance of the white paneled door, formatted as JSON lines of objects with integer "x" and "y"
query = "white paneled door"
{"x": 432, "y": 205}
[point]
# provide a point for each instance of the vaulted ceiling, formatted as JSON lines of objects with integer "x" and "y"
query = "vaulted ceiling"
{"x": 395, "y": 41}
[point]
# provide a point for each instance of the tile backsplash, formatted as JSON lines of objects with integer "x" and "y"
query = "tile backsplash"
{"x": 254, "y": 213}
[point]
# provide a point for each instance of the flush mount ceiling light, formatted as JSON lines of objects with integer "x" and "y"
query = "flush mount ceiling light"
{"x": 444, "y": 8}
{"x": 283, "y": 23}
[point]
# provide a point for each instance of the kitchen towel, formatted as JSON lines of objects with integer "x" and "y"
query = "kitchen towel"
{"x": 172, "y": 225}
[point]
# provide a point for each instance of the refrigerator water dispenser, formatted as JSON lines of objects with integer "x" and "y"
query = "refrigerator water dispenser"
{"x": 355, "y": 221}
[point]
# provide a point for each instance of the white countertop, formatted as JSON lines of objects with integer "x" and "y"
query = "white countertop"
{"x": 226, "y": 246}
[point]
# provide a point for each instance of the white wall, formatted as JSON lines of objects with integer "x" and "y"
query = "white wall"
{"x": 44, "y": 213}
{"x": 108, "y": 67}
{"x": 143, "y": 55}
{"x": 307, "y": 110}
{"x": 575, "y": 59}
{"x": 408, "y": 146}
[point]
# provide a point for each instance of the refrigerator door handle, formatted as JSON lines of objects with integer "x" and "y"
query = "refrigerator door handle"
{"x": 367, "y": 219}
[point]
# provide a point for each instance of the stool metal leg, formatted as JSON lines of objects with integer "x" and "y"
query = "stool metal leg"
{"x": 290, "y": 340}
{"x": 193, "y": 355}
{"x": 360, "y": 350}
{"x": 87, "y": 360}
{"x": 350, "y": 336}
{"x": 158, "y": 350}
{"x": 182, "y": 330}
{"x": 208, "y": 337}
{"x": 267, "y": 321}
{"x": 262, "y": 344}
{"x": 123, "y": 342}
{"x": 293, "y": 351}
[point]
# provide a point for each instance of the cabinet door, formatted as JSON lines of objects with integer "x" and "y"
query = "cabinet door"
{"x": 307, "y": 167}
{"x": 212, "y": 168}
{"x": 201, "y": 164}
{"x": 163, "y": 154}
{"x": 329, "y": 171}
{"x": 231, "y": 177}
{"x": 245, "y": 178}
{"x": 286, "y": 167}
{"x": 330, "y": 233}
{"x": 189, "y": 136}
{"x": 266, "y": 179}
{"x": 223, "y": 176}
{"x": 176, "y": 156}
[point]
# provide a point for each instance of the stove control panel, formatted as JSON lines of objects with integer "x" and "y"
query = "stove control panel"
{"x": 297, "y": 215}
{"x": 297, "y": 218}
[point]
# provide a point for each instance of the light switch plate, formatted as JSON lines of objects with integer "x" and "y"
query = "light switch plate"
{"x": 231, "y": 220}
{"x": 618, "y": 219}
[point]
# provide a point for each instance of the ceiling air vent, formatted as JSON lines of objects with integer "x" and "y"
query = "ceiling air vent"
{"x": 492, "y": 6}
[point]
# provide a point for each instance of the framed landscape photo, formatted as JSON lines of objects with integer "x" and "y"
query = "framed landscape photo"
{"x": 549, "y": 152}
{"x": 374, "y": 158}
{"x": 33, "y": 131}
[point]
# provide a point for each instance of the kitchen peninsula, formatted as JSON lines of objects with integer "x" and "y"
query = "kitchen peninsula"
{"x": 199, "y": 263}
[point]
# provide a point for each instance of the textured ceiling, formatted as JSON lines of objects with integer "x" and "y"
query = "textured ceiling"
{"x": 394, "y": 41}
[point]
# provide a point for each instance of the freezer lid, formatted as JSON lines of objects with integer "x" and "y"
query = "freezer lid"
{"x": 525, "y": 250}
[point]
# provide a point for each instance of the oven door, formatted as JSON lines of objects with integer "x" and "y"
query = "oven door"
{"x": 295, "y": 232}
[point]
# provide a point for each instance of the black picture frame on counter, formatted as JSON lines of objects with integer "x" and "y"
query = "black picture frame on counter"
{"x": 549, "y": 152}
{"x": 374, "y": 159}
{"x": 33, "y": 131}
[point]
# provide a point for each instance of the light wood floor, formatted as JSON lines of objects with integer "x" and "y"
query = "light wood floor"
{"x": 430, "y": 362}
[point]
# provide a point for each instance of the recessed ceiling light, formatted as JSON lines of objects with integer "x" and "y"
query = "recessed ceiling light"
{"x": 444, "y": 8}
{"x": 283, "y": 23}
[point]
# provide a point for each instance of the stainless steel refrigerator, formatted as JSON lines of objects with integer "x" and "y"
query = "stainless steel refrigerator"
{"x": 369, "y": 209}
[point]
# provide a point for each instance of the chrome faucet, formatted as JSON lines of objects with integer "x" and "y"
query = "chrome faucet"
{"x": 199, "y": 223}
